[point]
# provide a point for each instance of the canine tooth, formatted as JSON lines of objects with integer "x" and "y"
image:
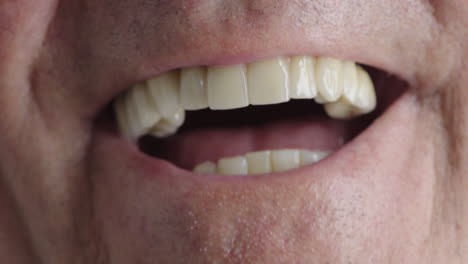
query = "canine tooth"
{"x": 164, "y": 91}
{"x": 170, "y": 125}
{"x": 227, "y": 87}
{"x": 268, "y": 81}
{"x": 193, "y": 94}
{"x": 233, "y": 166}
{"x": 259, "y": 162}
{"x": 329, "y": 79}
{"x": 144, "y": 108}
{"x": 285, "y": 159}
{"x": 206, "y": 167}
{"x": 121, "y": 116}
{"x": 309, "y": 156}
{"x": 302, "y": 77}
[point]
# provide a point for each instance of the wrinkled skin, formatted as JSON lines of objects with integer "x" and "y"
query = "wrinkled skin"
{"x": 71, "y": 193}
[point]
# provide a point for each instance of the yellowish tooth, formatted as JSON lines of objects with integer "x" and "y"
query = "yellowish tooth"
{"x": 350, "y": 81}
{"x": 359, "y": 98}
{"x": 340, "y": 109}
{"x": 168, "y": 126}
{"x": 121, "y": 116}
{"x": 329, "y": 79}
{"x": 177, "y": 119}
{"x": 286, "y": 159}
{"x": 164, "y": 91}
{"x": 268, "y": 81}
{"x": 343, "y": 108}
{"x": 262, "y": 162}
{"x": 302, "y": 77}
{"x": 227, "y": 87}
{"x": 163, "y": 129}
{"x": 193, "y": 93}
{"x": 366, "y": 99}
{"x": 259, "y": 162}
{"x": 135, "y": 127}
{"x": 207, "y": 167}
{"x": 233, "y": 166}
{"x": 310, "y": 156}
{"x": 144, "y": 108}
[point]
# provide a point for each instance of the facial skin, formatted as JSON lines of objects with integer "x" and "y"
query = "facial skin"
{"x": 73, "y": 192}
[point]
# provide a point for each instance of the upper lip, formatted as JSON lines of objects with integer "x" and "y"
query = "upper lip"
{"x": 188, "y": 50}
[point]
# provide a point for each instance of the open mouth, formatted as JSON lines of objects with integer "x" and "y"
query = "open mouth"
{"x": 268, "y": 116}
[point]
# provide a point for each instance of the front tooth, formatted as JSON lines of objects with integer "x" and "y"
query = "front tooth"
{"x": 285, "y": 159}
{"x": 164, "y": 91}
{"x": 193, "y": 88}
{"x": 233, "y": 166}
{"x": 144, "y": 108}
{"x": 268, "y": 81}
{"x": 309, "y": 156}
{"x": 259, "y": 162}
{"x": 169, "y": 125}
{"x": 227, "y": 87}
{"x": 207, "y": 167}
{"x": 302, "y": 78}
{"x": 329, "y": 79}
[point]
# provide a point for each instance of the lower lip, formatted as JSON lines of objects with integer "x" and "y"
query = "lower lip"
{"x": 153, "y": 203}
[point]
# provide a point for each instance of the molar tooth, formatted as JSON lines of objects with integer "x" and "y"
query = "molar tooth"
{"x": 340, "y": 109}
{"x": 285, "y": 159}
{"x": 144, "y": 108}
{"x": 135, "y": 125}
{"x": 343, "y": 108}
{"x": 329, "y": 79}
{"x": 350, "y": 81}
{"x": 259, "y": 162}
{"x": 366, "y": 99}
{"x": 268, "y": 81}
{"x": 164, "y": 91}
{"x": 207, "y": 167}
{"x": 169, "y": 125}
{"x": 121, "y": 116}
{"x": 302, "y": 77}
{"x": 193, "y": 93}
{"x": 227, "y": 87}
{"x": 359, "y": 98}
{"x": 310, "y": 156}
{"x": 233, "y": 166}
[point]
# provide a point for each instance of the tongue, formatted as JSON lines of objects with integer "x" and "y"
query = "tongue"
{"x": 191, "y": 147}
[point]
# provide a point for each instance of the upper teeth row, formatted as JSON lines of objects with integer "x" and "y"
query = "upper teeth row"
{"x": 158, "y": 106}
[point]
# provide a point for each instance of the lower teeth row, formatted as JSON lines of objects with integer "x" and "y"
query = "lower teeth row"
{"x": 262, "y": 162}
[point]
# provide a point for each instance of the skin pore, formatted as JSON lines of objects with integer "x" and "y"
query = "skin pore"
{"x": 71, "y": 192}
